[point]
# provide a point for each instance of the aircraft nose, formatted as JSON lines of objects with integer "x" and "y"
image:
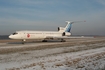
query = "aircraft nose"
{"x": 10, "y": 36}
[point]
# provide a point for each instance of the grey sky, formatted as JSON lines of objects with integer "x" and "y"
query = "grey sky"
{"x": 48, "y": 15}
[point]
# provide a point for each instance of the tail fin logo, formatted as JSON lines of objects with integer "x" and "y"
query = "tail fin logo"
{"x": 68, "y": 27}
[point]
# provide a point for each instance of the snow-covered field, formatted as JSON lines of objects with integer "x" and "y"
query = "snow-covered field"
{"x": 83, "y": 56}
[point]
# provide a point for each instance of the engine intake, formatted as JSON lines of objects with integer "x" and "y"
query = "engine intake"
{"x": 58, "y": 28}
{"x": 61, "y": 29}
{"x": 66, "y": 34}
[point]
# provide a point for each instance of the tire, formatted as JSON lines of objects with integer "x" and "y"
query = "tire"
{"x": 44, "y": 40}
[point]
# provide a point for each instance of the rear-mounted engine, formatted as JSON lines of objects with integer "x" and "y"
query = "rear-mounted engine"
{"x": 66, "y": 34}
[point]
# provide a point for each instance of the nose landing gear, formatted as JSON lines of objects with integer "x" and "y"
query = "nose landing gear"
{"x": 23, "y": 41}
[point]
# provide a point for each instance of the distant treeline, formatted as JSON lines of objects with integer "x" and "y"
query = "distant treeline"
{"x": 2, "y": 37}
{"x": 91, "y": 35}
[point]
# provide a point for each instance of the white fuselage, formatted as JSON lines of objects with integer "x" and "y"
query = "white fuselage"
{"x": 62, "y": 33}
{"x": 34, "y": 34}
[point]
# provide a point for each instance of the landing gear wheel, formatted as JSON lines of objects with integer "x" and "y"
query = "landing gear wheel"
{"x": 22, "y": 42}
{"x": 62, "y": 40}
{"x": 44, "y": 40}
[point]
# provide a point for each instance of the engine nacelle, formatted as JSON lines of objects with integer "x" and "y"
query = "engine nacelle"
{"x": 66, "y": 34}
{"x": 61, "y": 29}
{"x": 58, "y": 28}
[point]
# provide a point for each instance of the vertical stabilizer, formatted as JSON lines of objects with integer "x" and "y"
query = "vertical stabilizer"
{"x": 68, "y": 26}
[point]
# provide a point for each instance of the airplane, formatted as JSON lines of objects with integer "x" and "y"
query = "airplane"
{"x": 62, "y": 33}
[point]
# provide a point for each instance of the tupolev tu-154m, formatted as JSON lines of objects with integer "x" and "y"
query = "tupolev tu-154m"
{"x": 61, "y": 34}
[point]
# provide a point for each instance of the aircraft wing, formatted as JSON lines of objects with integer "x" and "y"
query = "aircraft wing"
{"x": 66, "y": 37}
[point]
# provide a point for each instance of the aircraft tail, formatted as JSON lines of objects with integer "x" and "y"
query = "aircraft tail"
{"x": 68, "y": 26}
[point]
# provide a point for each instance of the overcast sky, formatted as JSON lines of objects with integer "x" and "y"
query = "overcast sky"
{"x": 49, "y": 14}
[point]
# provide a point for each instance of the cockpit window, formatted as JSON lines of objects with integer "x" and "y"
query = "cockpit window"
{"x": 15, "y": 33}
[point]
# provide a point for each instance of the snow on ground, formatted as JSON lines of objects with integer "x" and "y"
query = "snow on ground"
{"x": 88, "y": 56}
{"x": 92, "y": 59}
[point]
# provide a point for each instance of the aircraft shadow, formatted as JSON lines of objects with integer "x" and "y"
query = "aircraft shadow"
{"x": 31, "y": 42}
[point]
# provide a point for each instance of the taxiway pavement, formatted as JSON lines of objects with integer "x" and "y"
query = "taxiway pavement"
{"x": 16, "y": 46}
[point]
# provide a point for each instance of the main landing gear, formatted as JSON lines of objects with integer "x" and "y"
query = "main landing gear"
{"x": 44, "y": 40}
{"x": 62, "y": 40}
